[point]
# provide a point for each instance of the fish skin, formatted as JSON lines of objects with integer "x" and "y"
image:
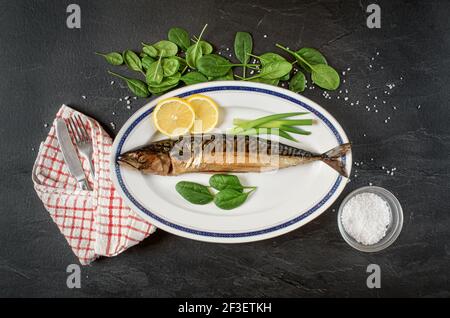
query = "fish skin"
{"x": 223, "y": 153}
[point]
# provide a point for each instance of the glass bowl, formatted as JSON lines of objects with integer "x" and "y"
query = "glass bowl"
{"x": 395, "y": 224}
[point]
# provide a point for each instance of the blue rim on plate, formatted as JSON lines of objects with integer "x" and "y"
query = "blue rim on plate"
{"x": 218, "y": 234}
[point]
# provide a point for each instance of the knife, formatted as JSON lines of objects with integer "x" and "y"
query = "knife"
{"x": 70, "y": 154}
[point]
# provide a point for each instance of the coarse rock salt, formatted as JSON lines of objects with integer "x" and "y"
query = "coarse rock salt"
{"x": 366, "y": 217}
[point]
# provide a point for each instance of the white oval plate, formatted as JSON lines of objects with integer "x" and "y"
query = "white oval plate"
{"x": 285, "y": 199}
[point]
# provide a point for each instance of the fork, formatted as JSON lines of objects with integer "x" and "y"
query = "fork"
{"x": 82, "y": 139}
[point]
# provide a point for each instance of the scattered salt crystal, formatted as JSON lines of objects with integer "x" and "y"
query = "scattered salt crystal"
{"x": 343, "y": 81}
{"x": 227, "y": 48}
{"x": 113, "y": 126}
{"x": 378, "y": 53}
{"x": 366, "y": 217}
{"x": 370, "y": 65}
{"x": 348, "y": 69}
{"x": 345, "y": 98}
{"x": 351, "y": 104}
{"x": 376, "y": 110}
{"x": 128, "y": 102}
{"x": 368, "y": 86}
{"x": 126, "y": 98}
{"x": 45, "y": 125}
{"x": 120, "y": 99}
{"x": 418, "y": 107}
{"x": 370, "y": 184}
{"x": 128, "y": 107}
{"x": 390, "y": 85}
{"x": 113, "y": 113}
{"x": 265, "y": 35}
{"x": 112, "y": 82}
{"x": 343, "y": 72}
{"x": 83, "y": 97}
{"x": 134, "y": 97}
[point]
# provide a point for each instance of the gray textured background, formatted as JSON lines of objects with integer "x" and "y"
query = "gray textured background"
{"x": 43, "y": 64}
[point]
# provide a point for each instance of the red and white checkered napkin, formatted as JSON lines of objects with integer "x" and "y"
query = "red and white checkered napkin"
{"x": 94, "y": 223}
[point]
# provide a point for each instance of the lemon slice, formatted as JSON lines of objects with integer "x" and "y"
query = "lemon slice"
{"x": 206, "y": 113}
{"x": 173, "y": 117}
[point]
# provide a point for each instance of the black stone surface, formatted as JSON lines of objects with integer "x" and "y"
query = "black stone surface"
{"x": 44, "y": 64}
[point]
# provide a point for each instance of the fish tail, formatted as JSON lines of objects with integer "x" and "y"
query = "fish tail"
{"x": 332, "y": 158}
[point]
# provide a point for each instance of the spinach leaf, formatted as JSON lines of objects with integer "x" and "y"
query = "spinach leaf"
{"x": 149, "y": 50}
{"x": 206, "y": 47}
{"x": 228, "y": 199}
{"x": 270, "y": 57}
{"x": 194, "y": 192}
{"x": 298, "y": 82}
{"x": 265, "y": 80}
{"x": 227, "y": 77}
{"x": 168, "y": 81}
{"x": 195, "y": 51}
{"x": 312, "y": 56}
{"x": 274, "y": 70}
{"x": 243, "y": 46}
{"x": 166, "y": 48}
{"x": 286, "y": 77}
{"x": 322, "y": 75}
{"x": 193, "y": 78}
{"x": 325, "y": 76}
{"x": 158, "y": 90}
{"x": 132, "y": 60}
{"x": 147, "y": 61}
{"x": 181, "y": 61}
{"x": 155, "y": 73}
{"x": 112, "y": 58}
{"x": 225, "y": 181}
{"x": 213, "y": 65}
{"x": 139, "y": 88}
{"x": 170, "y": 66}
{"x": 180, "y": 37}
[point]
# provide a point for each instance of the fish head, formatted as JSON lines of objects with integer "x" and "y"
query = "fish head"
{"x": 146, "y": 161}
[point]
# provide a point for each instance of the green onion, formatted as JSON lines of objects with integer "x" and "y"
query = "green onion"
{"x": 295, "y": 130}
{"x": 273, "y": 125}
{"x": 277, "y": 123}
{"x": 266, "y": 119}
